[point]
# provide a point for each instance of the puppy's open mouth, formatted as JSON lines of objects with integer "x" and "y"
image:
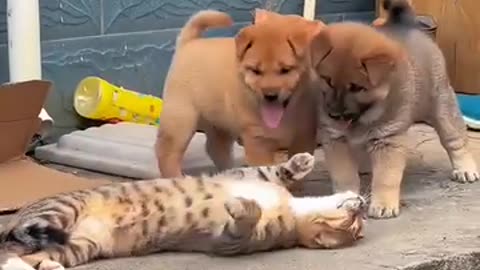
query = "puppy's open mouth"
{"x": 272, "y": 112}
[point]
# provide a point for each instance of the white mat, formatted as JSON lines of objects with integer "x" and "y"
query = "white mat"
{"x": 124, "y": 149}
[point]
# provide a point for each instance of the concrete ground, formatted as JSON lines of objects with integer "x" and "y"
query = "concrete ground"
{"x": 439, "y": 226}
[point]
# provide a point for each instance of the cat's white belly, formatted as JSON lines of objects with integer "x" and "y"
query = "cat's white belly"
{"x": 266, "y": 195}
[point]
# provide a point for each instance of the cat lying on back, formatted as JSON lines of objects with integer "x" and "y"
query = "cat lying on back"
{"x": 239, "y": 211}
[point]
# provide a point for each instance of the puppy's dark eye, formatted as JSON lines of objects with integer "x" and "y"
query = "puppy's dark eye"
{"x": 328, "y": 80}
{"x": 355, "y": 88}
{"x": 255, "y": 71}
{"x": 285, "y": 70}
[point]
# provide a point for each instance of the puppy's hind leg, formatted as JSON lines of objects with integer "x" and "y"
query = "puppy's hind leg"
{"x": 219, "y": 147}
{"x": 451, "y": 129}
{"x": 178, "y": 124}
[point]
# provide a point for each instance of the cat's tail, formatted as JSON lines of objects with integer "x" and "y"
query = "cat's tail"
{"x": 200, "y": 22}
{"x": 399, "y": 13}
{"x": 35, "y": 234}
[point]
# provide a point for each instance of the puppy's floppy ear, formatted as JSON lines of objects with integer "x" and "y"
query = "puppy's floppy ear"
{"x": 378, "y": 66}
{"x": 300, "y": 40}
{"x": 243, "y": 42}
{"x": 321, "y": 47}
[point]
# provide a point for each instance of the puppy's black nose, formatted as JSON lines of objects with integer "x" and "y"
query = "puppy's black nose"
{"x": 270, "y": 97}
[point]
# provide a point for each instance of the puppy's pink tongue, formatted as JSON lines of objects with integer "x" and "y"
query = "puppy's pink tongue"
{"x": 272, "y": 114}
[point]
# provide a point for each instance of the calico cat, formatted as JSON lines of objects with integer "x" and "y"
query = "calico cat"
{"x": 239, "y": 211}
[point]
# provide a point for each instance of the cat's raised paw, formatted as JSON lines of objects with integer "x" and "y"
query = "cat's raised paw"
{"x": 299, "y": 165}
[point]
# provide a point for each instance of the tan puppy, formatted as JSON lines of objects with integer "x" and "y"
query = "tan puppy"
{"x": 253, "y": 87}
{"x": 375, "y": 85}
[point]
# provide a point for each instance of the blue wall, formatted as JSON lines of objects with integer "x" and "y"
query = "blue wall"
{"x": 130, "y": 42}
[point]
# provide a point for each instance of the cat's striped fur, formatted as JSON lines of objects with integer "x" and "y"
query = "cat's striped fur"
{"x": 236, "y": 212}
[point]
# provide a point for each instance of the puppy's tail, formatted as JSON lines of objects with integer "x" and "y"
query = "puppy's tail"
{"x": 200, "y": 22}
{"x": 400, "y": 13}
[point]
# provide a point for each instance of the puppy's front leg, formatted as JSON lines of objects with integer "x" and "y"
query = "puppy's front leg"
{"x": 388, "y": 159}
{"x": 342, "y": 166}
{"x": 258, "y": 151}
{"x": 173, "y": 138}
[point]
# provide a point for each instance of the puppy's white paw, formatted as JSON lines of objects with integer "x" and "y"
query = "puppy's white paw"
{"x": 465, "y": 176}
{"x": 50, "y": 265}
{"x": 465, "y": 169}
{"x": 14, "y": 263}
{"x": 383, "y": 210}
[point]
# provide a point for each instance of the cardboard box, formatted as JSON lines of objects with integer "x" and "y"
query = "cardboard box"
{"x": 21, "y": 179}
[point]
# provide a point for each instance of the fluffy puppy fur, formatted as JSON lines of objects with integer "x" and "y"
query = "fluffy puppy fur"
{"x": 376, "y": 84}
{"x": 251, "y": 88}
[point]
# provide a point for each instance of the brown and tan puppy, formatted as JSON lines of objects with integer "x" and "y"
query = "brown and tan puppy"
{"x": 375, "y": 85}
{"x": 253, "y": 87}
